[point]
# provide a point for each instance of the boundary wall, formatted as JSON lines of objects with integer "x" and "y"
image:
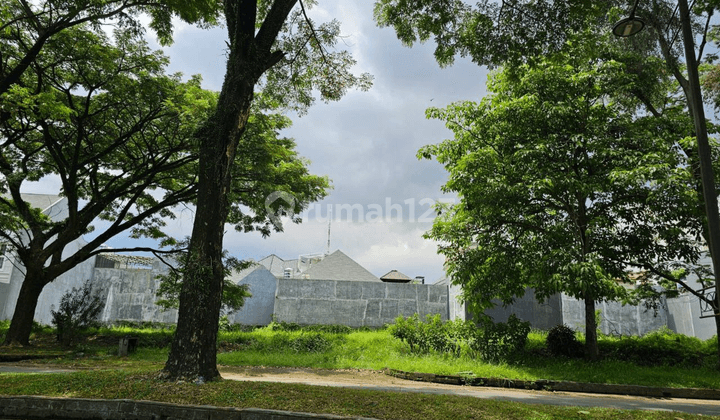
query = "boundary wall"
{"x": 355, "y": 303}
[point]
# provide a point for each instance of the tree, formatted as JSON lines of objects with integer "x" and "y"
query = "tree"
{"x": 518, "y": 32}
{"x": 29, "y": 26}
{"x": 562, "y": 188}
{"x": 26, "y": 32}
{"x": 116, "y": 131}
{"x": 265, "y": 38}
{"x": 490, "y": 33}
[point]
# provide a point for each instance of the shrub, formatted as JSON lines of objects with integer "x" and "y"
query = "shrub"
{"x": 495, "y": 342}
{"x": 291, "y": 326}
{"x": 490, "y": 341}
{"x": 79, "y": 309}
{"x": 561, "y": 341}
{"x": 406, "y": 329}
{"x": 658, "y": 348}
{"x": 310, "y": 343}
{"x": 422, "y": 337}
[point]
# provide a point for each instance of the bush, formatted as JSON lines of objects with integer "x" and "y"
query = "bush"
{"x": 659, "y": 348}
{"x": 489, "y": 341}
{"x": 79, "y": 309}
{"x": 284, "y": 326}
{"x": 310, "y": 343}
{"x": 291, "y": 326}
{"x": 422, "y": 337}
{"x": 495, "y": 342}
{"x": 561, "y": 341}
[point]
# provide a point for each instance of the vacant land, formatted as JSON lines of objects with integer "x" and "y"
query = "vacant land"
{"x": 676, "y": 361}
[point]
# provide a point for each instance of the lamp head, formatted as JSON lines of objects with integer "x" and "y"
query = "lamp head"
{"x": 628, "y": 26}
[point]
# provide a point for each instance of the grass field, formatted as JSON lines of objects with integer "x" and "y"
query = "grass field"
{"x": 134, "y": 377}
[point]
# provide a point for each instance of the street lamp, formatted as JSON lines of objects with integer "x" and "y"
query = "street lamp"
{"x": 630, "y": 25}
{"x": 627, "y": 27}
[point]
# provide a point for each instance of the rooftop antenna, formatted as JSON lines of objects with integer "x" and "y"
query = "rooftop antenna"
{"x": 327, "y": 252}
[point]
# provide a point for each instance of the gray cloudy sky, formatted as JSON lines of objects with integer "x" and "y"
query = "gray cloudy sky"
{"x": 366, "y": 143}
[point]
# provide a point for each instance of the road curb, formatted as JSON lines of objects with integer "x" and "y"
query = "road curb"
{"x": 45, "y": 408}
{"x": 565, "y": 386}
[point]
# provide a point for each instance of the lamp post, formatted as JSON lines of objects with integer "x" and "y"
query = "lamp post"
{"x": 630, "y": 26}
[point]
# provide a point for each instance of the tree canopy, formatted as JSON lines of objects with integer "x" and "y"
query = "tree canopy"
{"x": 513, "y": 33}
{"x": 27, "y": 27}
{"x": 104, "y": 118}
{"x": 562, "y": 188}
{"x": 100, "y": 114}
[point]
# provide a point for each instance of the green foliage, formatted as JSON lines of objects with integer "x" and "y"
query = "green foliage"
{"x": 422, "y": 337}
{"x": 156, "y": 336}
{"x": 493, "y": 342}
{"x": 295, "y": 342}
{"x": 491, "y": 33}
{"x": 497, "y": 342}
{"x": 563, "y": 186}
{"x": 78, "y": 309}
{"x": 561, "y": 341}
{"x": 661, "y": 348}
{"x": 234, "y": 295}
{"x": 4, "y": 326}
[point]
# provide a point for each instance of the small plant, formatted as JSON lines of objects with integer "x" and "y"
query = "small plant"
{"x": 224, "y": 324}
{"x": 561, "y": 341}
{"x": 79, "y": 309}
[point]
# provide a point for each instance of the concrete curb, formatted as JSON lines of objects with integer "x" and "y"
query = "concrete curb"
{"x": 42, "y": 408}
{"x": 566, "y": 386}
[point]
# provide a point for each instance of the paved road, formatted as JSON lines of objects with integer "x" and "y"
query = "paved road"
{"x": 704, "y": 407}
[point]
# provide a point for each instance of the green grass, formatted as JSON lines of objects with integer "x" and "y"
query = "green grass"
{"x": 134, "y": 377}
{"x": 377, "y": 349}
{"x": 141, "y": 384}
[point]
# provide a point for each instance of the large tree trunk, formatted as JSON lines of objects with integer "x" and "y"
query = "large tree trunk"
{"x": 591, "y": 344}
{"x": 22, "y": 320}
{"x": 193, "y": 353}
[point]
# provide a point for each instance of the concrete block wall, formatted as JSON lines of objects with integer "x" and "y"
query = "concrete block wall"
{"x": 131, "y": 295}
{"x": 683, "y": 316}
{"x": 258, "y": 309}
{"x": 356, "y": 304}
{"x": 542, "y": 316}
{"x": 617, "y": 319}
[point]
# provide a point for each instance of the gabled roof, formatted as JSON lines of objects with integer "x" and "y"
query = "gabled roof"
{"x": 443, "y": 281}
{"x": 236, "y": 276}
{"x": 41, "y": 201}
{"x": 277, "y": 265}
{"x": 338, "y": 266}
{"x": 395, "y": 276}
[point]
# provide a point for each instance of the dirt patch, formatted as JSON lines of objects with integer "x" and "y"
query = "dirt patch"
{"x": 322, "y": 377}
